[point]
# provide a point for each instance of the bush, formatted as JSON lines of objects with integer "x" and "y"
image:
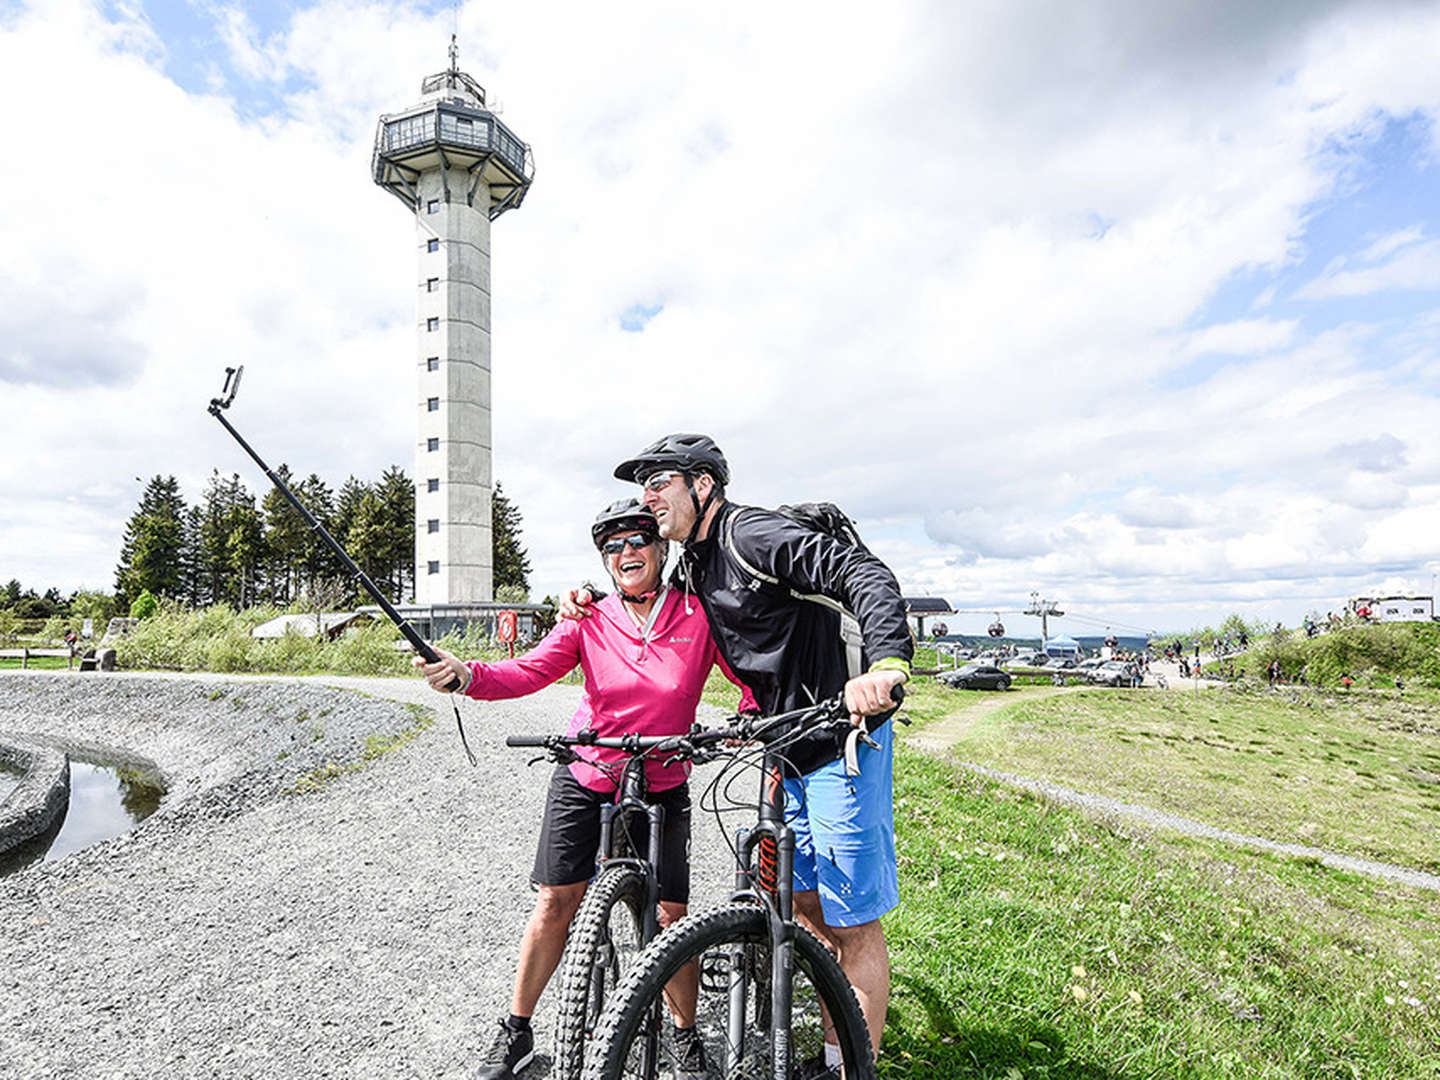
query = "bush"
{"x": 144, "y": 606}
{"x": 1372, "y": 655}
{"x": 218, "y": 639}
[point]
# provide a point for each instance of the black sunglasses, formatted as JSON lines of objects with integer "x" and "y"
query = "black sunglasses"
{"x": 618, "y": 544}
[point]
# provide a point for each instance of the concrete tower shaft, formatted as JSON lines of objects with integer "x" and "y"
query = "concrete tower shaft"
{"x": 456, "y": 167}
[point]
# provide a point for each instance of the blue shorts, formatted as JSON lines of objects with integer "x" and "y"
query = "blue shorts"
{"x": 845, "y": 834}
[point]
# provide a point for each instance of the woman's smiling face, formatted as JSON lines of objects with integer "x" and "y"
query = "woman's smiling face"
{"x": 634, "y": 570}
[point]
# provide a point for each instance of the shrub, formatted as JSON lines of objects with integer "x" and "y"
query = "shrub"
{"x": 144, "y": 606}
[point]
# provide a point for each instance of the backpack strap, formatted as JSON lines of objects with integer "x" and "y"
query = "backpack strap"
{"x": 850, "y": 635}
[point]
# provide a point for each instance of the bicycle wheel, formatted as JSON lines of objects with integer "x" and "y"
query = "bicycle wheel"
{"x": 732, "y": 946}
{"x": 605, "y": 937}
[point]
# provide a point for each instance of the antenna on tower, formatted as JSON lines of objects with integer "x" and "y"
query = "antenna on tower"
{"x": 454, "y": 54}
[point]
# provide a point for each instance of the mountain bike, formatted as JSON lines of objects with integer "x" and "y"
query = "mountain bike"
{"x": 771, "y": 995}
{"x": 618, "y": 915}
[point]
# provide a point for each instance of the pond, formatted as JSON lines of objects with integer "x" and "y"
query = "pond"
{"x": 106, "y": 799}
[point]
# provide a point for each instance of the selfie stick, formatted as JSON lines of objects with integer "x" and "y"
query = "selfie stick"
{"x": 419, "y": 644}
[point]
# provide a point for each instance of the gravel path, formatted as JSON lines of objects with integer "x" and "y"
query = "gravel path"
{"x": 365, "y": 929}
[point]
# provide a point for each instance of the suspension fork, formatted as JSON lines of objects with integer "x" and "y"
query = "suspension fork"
{"x": 765, "y": 870}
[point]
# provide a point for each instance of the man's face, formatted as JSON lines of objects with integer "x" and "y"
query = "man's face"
{"x": 665, "y": 493}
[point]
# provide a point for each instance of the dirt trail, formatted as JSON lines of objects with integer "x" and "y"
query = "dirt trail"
{"x": 940, "y": 736}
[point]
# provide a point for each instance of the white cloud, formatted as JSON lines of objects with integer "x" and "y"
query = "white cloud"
{"x": 1402, "y": 261}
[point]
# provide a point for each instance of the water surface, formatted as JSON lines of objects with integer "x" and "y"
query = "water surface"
{"x": 105, "y": 800}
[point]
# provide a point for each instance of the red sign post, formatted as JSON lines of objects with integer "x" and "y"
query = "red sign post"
{"x": 507, "y": 629}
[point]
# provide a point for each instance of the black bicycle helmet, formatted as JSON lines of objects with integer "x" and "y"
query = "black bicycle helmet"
{"x": 688, "y": 453}
{"x": 626, "y": 515}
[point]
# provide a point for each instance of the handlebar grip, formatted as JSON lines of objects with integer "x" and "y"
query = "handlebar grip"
{"x": 897, "y": 693}
{"x": 527, "y": 740}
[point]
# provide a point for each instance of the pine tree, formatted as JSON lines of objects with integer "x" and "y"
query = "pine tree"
{"x": 232, "y": 543}
{"x": 318, "y": 565}
{"x": 285, "y": 532}
{"x": 150, "y": 555}
{"x": 397, "y": 497}
{"x": 511, "y": 565}
{"x": 347, "y": 509}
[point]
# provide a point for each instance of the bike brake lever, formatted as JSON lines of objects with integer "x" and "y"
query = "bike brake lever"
{"x": 852, "y": 751}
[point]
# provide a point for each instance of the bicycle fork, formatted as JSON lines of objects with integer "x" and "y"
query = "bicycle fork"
{"x": 770, "y": 849}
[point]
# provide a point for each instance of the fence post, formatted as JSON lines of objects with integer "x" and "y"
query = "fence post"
{"x": 24, "y": 657}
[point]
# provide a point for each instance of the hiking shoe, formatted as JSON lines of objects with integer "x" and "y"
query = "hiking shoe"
{"x": 814, "y": 1068}
{"x": 509, "y": 1053}
{"x": 689, "y": 1054}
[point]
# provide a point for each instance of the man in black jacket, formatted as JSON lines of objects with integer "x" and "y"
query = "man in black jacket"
{"x": 773, "y": 589}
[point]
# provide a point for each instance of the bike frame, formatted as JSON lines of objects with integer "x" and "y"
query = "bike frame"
{"x": 769, "y": 838}
{"x": 630, "y": 801}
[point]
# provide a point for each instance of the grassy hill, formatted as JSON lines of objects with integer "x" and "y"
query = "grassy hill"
{"x": 1372, "y": 655}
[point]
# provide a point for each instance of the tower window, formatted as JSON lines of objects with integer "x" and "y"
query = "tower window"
{"x": 432, "y": 445}
{"x": 432, "y": 363}
{"x": 432, "y": 323}
{"x": 432, "y": 404}
{"x": 433, "y": 484}
{"x": 432, "y": 285}
{"x": 433, "y": 525}
{"x": 432, "y": 567}
{"x": 432, "y": 245}
{"x": 433, "y": 206}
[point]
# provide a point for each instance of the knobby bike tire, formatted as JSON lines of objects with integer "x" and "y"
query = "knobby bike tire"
{"x": 713, "y": 938}
{"x": 597, "y": 954}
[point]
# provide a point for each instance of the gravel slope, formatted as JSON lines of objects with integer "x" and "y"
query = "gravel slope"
{"x": 367, "y": 929}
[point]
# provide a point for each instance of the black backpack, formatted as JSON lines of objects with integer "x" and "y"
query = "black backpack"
{"x": 829, "y": 519}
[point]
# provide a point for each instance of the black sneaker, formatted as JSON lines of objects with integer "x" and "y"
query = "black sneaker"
{"x": 689, "y": 1054}
{"x": 814, "y": 1068}
{"x": 509, "y": 1053}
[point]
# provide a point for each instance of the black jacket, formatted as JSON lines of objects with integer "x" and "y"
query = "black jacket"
{"x": 789, "y": 650}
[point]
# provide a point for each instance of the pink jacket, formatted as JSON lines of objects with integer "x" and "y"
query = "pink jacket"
{"x": 644, "y": 682}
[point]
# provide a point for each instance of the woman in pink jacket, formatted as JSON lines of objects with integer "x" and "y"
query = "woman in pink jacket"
{"x": 646, "y": 654}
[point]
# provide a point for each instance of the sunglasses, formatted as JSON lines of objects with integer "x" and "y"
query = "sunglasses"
{"x": 659, "y": 481}
{"x": 616, "y": 545}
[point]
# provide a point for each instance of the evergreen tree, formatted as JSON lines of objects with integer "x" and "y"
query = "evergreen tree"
{"x": 318, "y": 564}
{"x": 192, "y": 563}
{"x": 232, "y": 546}
{"x": 369, "y": 541}
{"x": 150, "y": 552}
{"x": 285, "y": 532}
{"x": 511, "y": 563}
{"x": 397, "y": 497}
{"x": 347, "y": 509}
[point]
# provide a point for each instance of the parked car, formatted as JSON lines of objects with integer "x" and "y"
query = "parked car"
{"x": 975, "y": 677}
{"x": 1089, "y": 665}
{"x": 1113, "y": 673}
{"x": 1062, "y": 663}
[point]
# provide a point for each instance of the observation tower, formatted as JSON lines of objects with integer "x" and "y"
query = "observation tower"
{"x": 457, "y": 168}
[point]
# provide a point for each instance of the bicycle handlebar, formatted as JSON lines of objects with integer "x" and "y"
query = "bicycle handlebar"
{"x": 761, "y": 729}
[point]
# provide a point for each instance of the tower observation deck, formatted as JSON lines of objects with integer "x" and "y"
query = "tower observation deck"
{"x": 457, "y": 168}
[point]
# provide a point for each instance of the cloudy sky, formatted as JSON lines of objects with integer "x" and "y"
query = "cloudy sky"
{"x": 1137, "y": 305}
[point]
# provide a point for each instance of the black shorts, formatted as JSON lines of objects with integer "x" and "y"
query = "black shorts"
{"x": 570, "y": 836}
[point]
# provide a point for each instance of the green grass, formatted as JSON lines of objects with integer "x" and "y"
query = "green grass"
{"x": 376, "y": 747}
{"x": 39, "y": 663}
{"x": 1031, "y": 942}
{"x": 1356, "y": 774}
{"x": 1373, "y": 655}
